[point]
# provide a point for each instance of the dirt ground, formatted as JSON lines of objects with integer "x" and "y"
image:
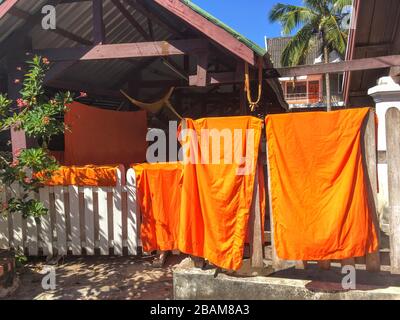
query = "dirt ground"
{"x": 96, "y": 278}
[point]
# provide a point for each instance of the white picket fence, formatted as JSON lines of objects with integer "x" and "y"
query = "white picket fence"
{"x": 81, "y": 220}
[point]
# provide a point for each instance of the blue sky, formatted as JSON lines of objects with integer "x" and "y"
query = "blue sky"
{"x": 249, "y": 17}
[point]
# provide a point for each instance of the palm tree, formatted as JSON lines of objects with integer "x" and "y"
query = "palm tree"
{"x": 319, "y": 21}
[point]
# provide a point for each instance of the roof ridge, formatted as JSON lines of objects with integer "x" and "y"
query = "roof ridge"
{"x": 249, "y": 43}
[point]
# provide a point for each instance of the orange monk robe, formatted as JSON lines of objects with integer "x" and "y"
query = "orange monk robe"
{"x": 216, "y": 198}
{"x": 159, "y": 188}
{"x": 83, "y": 176}
{"x": 98, "y": 136}
{"x": 318, "y": 186}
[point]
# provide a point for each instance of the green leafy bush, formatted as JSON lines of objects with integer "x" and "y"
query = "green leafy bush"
{"x": 39, "y": 116}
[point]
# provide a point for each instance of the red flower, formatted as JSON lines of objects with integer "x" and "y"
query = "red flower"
{"x": 4, "y": 206}
{"x": 14, "y": 163}
{"x": 21, "y": 103}
{"x": 83, "y": 94}
{"x": 27, "y": 180}
{"x": 17, "y": 153}
{"x": 45, "y": 61}
{"x": 46, "y": 120}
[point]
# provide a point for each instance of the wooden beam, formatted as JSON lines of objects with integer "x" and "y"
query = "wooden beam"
{"x": 158, "y": 83}
{"x": 361, "y": 48}
{"x": 345, "y": 66}
{"x": 202, "y": 68}
{"x": 170, "y": 64}
{"x": 123, "y": 50}
{"x": 209, "y": 29}
{"x": 78, "y": 87}
{"x": 6, "y": 7}
{"x": 98, "y": 23}
{"x": 128, "y": 16}
{"x": 139, "y": 6}
{"x": 62, "y": 32}
{"x": 218, "y": 78}
{"x": 130, "y": 74}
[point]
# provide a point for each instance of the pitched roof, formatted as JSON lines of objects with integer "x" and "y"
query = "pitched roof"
{"x": 276, "y": 46}
{"x": 249, "y": 43}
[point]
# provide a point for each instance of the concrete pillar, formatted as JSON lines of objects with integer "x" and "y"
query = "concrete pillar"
{"x": 386, "y": 95}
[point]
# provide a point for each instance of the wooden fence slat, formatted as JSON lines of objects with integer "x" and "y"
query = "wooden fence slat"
{"x": 256, "y": 245}
{"x": 18, "y": 240}
{"x": 46, "y": 234}
{"x": 393, "y": 162}
{"x": 103, "y": 221}
{"x": 61, "y": 228}
{"x": 117, "y": 216}
{"x": 370, "y": 163}
{"x": 89, "y": 220}
{"x": 31, "y": 232}
{"x": 133, "y": 217}
{"x": 74, "y": 216}
{"x": 4, "y": 235}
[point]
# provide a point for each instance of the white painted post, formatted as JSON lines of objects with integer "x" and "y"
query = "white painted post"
{"x": 103, "y": 221}
{"x": 117, "y": 213}
{"x": 133, "y": 214}
{"x": 76, "y": 245}
{"x": 89, "y": 220}
{"x": 31, "y": 232}
{"x": 46, "y": 234}
{"x": 18, "y": 240}
{"x": 61, "y": 227}
{"x": 386, "y": 95}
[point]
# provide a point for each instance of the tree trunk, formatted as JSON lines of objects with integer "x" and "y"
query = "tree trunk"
{"x": 327, "y": 82}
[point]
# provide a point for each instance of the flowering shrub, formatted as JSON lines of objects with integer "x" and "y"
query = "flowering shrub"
{"x": 38, "y": 115}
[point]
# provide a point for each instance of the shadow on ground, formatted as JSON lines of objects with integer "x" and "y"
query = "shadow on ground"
{"x": 92, "y": 278}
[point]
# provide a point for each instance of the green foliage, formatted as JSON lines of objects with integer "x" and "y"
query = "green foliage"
{"x": 40, "y": 117}
{"x": 20, "y": 259}
{"x": 5, "y": 103}
{"x": 316, "y": 20}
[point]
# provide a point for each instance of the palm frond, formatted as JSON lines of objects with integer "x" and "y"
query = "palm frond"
{"x": 339, "y": 5}
{"x": 290, "y": 16}
{"x": 314, "y": 5}
{"x": 298, "y": 47}
{"x": 334, "y": 37}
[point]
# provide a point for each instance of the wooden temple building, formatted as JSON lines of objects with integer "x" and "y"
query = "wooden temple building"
{"x": 143, "y": 47}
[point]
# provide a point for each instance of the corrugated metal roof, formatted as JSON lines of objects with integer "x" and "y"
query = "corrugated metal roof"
{"x": 76, "y": 18}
